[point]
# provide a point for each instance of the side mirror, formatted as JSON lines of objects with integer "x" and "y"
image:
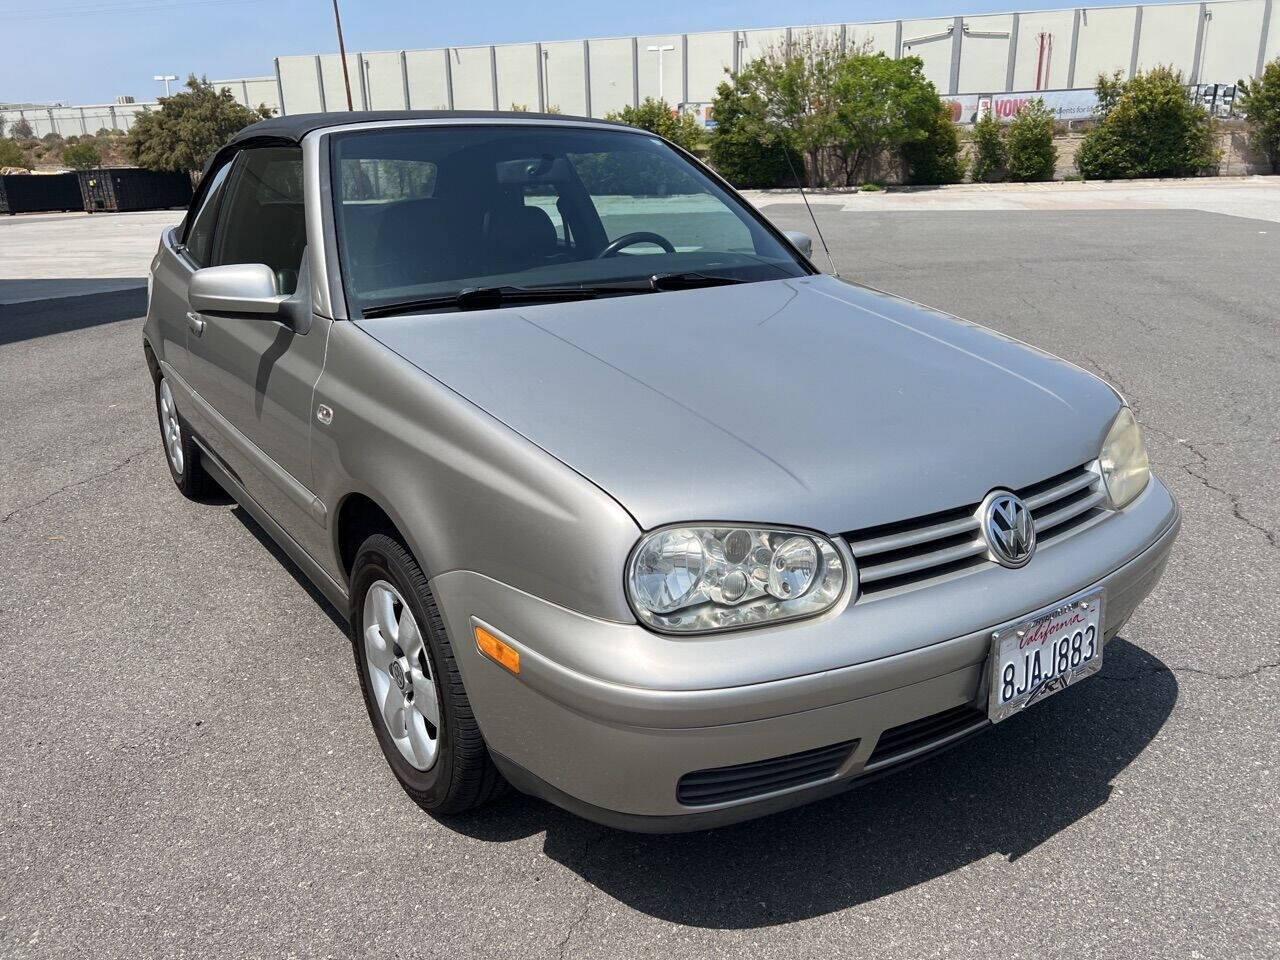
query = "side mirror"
{"x": 801, "y": 241}
{"x": 238, "y": 290}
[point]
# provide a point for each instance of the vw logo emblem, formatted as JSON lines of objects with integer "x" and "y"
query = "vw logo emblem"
{"x": 397, "y": 673}
{"x": 1008, "y": 529}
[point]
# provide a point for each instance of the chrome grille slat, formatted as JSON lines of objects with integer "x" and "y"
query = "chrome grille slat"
{"x": 936, "y": 558}
{"x": 1084, "y": 479}
{"x": 913, "y": 553}
{"x": 899, "y": 541}
{"x": 1048, "y": 521}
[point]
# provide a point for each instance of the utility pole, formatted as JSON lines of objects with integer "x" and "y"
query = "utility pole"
{"x": 342, "y": 55}
{"x": 660, "y": 50}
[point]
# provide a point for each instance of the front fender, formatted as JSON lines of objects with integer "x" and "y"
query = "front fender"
{"x": 465, "y": 491}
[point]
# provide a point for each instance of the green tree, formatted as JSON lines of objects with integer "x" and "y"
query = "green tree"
{"x": 1149, "y": 128}
{"x": 1029, "y": 143}
{"x": 658, "y": 116}
{"x": 745, "y": 149}
{"x": 990, "y": 158}
{"x": 189, "y": 127}
{"x": 879, "y": 106}
{"x": 21, "y": 130}
{"x": 11, "y": 155}
{"x": 1259, "y": 101}
{"x": 936, "y": 157}
{"x": 843, "y": 111}
{"x": 796, "y": 85}
{"x": 82, "y": 156}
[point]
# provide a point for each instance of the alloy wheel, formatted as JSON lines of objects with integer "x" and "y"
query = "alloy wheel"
{"x": 400, "y": 675}
{"x": 170, "y": 427}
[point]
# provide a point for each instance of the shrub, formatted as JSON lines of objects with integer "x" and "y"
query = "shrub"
{"x": 189, "y": 127}
{"x": 845, "y": 111}
{"x": 21, "y": 130}
{"x": 744, "y": 148}
{"x": 1149, "y": 128}
{"x": 11, "y": 155}
{"x": 82, "y": 156}
{"x": 881, "y": 106}
{"x": 1259, "y": 101}
{"x": 1029, "y": 143}
{"x": 658, "y": 116}
{"x": 935, "y": 158}
{"x": 990, "y": 159}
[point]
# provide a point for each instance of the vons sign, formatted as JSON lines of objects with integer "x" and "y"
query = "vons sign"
{"x": 1065, "y": 104}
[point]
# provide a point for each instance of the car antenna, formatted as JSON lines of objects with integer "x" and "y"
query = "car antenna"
{"x": 803, "y": 196}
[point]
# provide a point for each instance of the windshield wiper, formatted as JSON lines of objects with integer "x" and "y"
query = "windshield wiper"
{"x": 690, "y": 281}
{"x": 487, "y": 298}
{"x": 481, "y": 298}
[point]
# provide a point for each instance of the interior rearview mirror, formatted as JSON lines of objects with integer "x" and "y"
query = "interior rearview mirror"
{"x": 801, "y": 241}
{"x": 237, "y": 289}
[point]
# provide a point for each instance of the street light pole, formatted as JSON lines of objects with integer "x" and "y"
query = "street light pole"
{"x": 166, "y": 77}
{"x": 659, "y": 50}
{"x": 342, "y": 55}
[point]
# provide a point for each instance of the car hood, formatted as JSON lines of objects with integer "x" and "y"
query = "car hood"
{"x": 811, "y": 402}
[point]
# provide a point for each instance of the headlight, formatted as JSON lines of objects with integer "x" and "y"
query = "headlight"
{"x": 1123, "y": 460}
{"x": 696, "y": 579}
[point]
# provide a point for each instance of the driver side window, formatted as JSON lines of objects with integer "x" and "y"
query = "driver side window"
{"x": 262, "y": 218}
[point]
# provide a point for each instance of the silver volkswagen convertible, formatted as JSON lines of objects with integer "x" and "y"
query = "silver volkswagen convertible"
{"x": 629, "y": 506}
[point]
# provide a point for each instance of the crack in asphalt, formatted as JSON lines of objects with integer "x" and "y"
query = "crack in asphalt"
{"x": 1113, "y": 381}
{"x": 588, "y": 847}
{"x": 1194, "y": 471}
{"x": 25, "y": 508}
{"x": 1194, "y": 449}
{"x": 1194, "y": 671}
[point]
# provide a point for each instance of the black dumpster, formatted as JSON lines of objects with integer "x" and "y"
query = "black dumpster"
{"x": 131, "y": 188}
{"x": 35, "y": 193}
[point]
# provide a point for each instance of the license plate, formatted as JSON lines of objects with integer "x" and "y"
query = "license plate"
{"x": 1038, "y": 657}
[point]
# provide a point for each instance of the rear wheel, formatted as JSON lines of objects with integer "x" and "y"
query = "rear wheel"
{"x": 180, "y": 450}
{"x": 411, "y": 684}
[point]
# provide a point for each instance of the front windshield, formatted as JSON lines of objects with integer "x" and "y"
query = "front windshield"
{"x": 426, "y": 212}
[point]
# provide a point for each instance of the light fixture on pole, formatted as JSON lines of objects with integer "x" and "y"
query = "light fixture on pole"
{"x": 660, "y": 49}
{"x": 166, "y": 77}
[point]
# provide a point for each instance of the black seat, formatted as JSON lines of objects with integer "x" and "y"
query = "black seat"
{"x": 518, "y": 238}
{"x": 415, "y": 243}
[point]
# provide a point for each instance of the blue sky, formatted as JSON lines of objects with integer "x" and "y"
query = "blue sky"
{"x": 90, "y": 51}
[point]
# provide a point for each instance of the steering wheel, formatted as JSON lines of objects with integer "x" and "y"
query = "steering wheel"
{"x": 629, "y": 239}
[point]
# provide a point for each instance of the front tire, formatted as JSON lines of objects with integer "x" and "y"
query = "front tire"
{"x": 411, "y": 684}
{"x": 180, "y": 450}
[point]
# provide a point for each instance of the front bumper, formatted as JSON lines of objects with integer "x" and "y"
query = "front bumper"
{"x": 605, "y": 718}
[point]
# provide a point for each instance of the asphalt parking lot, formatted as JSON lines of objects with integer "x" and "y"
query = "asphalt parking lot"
{"x": 186, "y": 768}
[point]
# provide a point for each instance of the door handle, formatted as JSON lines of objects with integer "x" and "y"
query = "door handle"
{"x": 195, "y": 322}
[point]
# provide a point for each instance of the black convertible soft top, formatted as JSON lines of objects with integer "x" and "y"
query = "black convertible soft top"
{"x": 295, "y": 126}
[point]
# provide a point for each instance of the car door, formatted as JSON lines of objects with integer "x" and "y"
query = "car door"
{"x": 256, "y": 375}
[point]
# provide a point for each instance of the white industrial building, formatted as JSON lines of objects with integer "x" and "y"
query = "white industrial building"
{"x": 1216, "y": 42}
